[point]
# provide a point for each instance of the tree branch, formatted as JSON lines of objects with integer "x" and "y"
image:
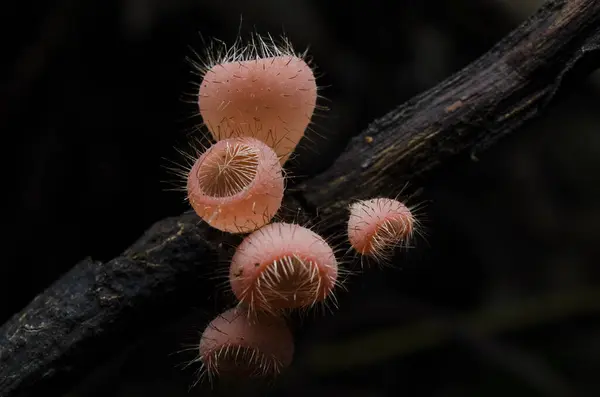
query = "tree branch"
{"x": 97, "y": 308}
{"x": 469, "y": 111}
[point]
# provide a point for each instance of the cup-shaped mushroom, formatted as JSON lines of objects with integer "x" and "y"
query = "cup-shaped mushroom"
{"x": 236, "y": 185}
{"x": 283, "y": 266}
{"x": 377, "y": 226}
{"x": 233, "y": 345}
{"x": 271, "y": 99}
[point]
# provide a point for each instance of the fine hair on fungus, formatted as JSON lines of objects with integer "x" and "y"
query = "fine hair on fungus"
{"x": 231, "y": 345}
{"x": 283, "y": 266}
{"x": 263, "y": 90}
{"x": 236, "y": 185}
{"x": 378, "y": 226}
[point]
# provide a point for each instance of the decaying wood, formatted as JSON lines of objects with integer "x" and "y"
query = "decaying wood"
{"x": 469, "y": 111}
{"x": 97, "y": 308}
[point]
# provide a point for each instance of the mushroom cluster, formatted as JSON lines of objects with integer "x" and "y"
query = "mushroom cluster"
{"x": 257, "y": 101}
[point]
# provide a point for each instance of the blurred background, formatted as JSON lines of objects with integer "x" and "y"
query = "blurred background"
{"x": 501, "y": 298}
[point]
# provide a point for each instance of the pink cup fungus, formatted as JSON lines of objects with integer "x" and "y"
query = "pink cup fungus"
{"x": 283, "y": 266}
{"x": 268, "y": 98}
{"x": 377, "y": 226}
{"x": 236, "y": 185}
{"x": 231, "y": 345}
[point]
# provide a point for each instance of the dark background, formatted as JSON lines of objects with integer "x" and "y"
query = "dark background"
{"x": 93, "y": 95}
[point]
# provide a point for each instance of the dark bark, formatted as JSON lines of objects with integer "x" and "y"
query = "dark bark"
{"x": 469, "y": 111}
{"x": 96, "y": 309}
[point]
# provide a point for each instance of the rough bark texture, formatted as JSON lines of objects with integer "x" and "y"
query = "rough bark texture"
{"x": 98, "y": 308}
{"x": 469, "y": 111}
